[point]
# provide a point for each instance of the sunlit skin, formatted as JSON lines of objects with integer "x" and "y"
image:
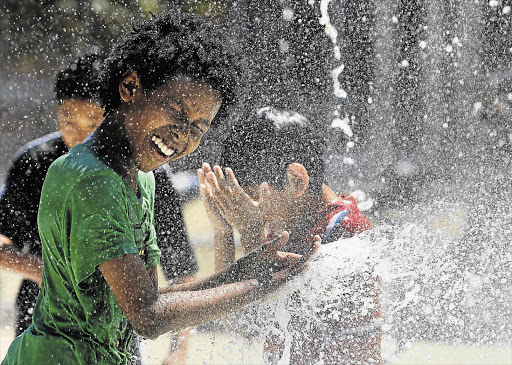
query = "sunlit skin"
{"x": 77, "y": 119}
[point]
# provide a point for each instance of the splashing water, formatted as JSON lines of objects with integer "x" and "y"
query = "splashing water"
{"x": 434, "y": 282}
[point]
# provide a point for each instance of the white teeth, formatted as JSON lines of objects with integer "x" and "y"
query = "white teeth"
{"x": 160, "y": 143}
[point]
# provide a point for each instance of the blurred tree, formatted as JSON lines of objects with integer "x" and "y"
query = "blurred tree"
{"x": 39, "y": 33}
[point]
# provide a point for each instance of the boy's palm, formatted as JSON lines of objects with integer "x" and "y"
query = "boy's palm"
{"x": 272, "y": 267}
{"x": 237, "y": 207}
{"x": 214, "y": 213}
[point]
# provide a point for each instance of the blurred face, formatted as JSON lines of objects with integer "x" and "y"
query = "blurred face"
{"x": 77, "y": 119}
{"x": 168, "y": 123}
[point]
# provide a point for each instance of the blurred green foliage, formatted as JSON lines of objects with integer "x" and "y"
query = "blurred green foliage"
{"x": 37, "y": 34}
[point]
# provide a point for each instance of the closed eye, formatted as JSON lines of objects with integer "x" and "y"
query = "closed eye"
{"x": 198, "y": 128}
{"x": 174, "y": 105}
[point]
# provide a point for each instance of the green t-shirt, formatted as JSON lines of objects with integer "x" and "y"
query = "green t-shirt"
{"x": 88, "y": 215}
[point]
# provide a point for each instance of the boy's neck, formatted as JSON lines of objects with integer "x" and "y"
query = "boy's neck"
{"x": 111, "y": 145}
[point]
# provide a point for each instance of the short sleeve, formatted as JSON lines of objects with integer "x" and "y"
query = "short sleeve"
{"x": 154, "y": 253}
{"x": 99, "y": 224}
{"x": 19, "y": 199}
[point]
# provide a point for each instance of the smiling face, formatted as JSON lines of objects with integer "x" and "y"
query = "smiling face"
{"x": 77, "y": 119}
{"x": 167, "y": 123}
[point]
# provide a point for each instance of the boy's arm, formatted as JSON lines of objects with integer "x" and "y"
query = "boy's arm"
{"x": 264, "y": 263}
{"x": 30, "y": 266}
{"x": 188, "y": 304}
{"x": 153, "y": 314}
{"x": 18, "y": 205}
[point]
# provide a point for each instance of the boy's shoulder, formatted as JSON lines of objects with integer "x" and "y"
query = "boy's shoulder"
{"x": 78, "y": 164}
{"x": 37, "y": 155}
{"x": 79, "y": 160}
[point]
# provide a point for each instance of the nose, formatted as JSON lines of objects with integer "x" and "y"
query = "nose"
{"x": 180, "y": 130}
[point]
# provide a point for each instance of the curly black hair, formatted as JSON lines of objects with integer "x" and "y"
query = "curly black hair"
{"x": 171, "y": 43}
{"x": 80, "y": 78}
{"x": 260, "y": 148}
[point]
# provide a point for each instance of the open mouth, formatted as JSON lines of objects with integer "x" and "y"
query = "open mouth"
{"x": 163, "y": 148}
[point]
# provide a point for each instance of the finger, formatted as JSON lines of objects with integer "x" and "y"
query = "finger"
{"x": 288, "y": 256}
{"x": 202, "y": 181}
{"x": 264, "y": 201}
{"x": 285, "y": 260}
{"x": 206, "y": 194}
{"x": 219, "y": 174}
{"x": 232, "y": 182}
{"x": 206, "y": 167}
{"x": 237, "y": 191}
{"x": 4, "y": 240}
{"x": 223, "y": 185}
{"x": 216, "y": 192}
{"x": 211, "y": 179}
{"x": 278, "y": 242}
{"x": 200, "y": 175}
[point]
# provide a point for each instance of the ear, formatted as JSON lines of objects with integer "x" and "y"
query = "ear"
{"x": 129, "y": 87}
{"x": 298, "y": 179}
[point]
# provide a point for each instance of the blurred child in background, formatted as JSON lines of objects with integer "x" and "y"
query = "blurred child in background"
{"x": 277, "y": 158}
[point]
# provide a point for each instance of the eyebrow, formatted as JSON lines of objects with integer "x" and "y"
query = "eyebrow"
{"x": 184, "y": 109}
{"x": 181, "y": 104}
{"x": 206, "y": 122}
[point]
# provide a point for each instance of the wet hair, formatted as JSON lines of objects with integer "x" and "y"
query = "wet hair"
{"x": 80, "y": 78}
{"x": 166, "y": 45}
{"x": 261, "y": 147}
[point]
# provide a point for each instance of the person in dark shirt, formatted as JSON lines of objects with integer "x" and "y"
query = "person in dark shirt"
{"x": 78, "y": 116}
{"x": 19, "y": 198}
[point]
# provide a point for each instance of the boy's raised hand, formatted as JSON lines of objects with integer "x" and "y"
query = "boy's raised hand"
{"x": 214, "y": 213}
{"x": 244, "y": 213}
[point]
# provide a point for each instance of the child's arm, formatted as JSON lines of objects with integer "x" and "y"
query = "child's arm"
{"x": 259, "y": 264}
{"x": 188, "y": 304}
{"x": 30, "y": 266}
{"x": 153, "y": 314}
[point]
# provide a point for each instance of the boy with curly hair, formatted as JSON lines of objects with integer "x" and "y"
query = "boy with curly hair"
{"x": 78, "y": 116}
{"x": 162, "y": 86}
